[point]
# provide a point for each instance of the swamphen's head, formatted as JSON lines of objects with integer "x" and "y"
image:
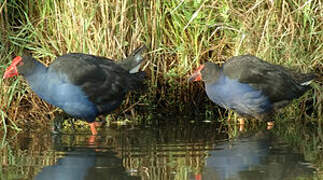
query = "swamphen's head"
{"x": 19, "y": 66}
{"x": 207, "y": 72}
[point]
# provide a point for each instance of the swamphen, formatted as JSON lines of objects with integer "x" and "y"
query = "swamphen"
{"x": 251, "y": 86}
{"x": 83, "y": 85}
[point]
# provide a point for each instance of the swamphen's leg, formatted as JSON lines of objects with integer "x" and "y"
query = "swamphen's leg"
{"x": 93, "y": 128}
{"x": 95, "y": 124}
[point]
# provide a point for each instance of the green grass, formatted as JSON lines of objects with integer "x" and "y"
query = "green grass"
{"x": 179, "y": 35}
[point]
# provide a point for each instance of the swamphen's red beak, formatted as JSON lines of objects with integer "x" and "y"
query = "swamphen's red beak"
{"x": 197, "y": 76}
{"x": 12, "y": 69}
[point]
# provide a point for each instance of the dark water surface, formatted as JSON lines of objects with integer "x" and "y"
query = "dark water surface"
{"x": 198, "y": 151}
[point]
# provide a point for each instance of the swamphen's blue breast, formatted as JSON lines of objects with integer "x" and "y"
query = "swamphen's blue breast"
{"x": 58, "y": 90}
{"x": 251, "y": 86}
{"x": 231, "y": 94}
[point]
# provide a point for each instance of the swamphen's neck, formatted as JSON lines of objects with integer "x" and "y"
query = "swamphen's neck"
{"x": 36, "y": 74}
{"x": 37, "y": 78}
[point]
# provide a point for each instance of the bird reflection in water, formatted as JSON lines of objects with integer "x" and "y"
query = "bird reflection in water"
{"x": 251, "y": 158}
{"x": 85, "y": 163}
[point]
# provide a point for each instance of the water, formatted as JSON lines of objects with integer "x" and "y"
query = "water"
{"x": 197, "y": 151}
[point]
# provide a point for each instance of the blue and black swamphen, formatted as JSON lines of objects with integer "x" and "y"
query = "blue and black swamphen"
{"x": 83, "y": 85}
{"x": 250, "y": 86}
